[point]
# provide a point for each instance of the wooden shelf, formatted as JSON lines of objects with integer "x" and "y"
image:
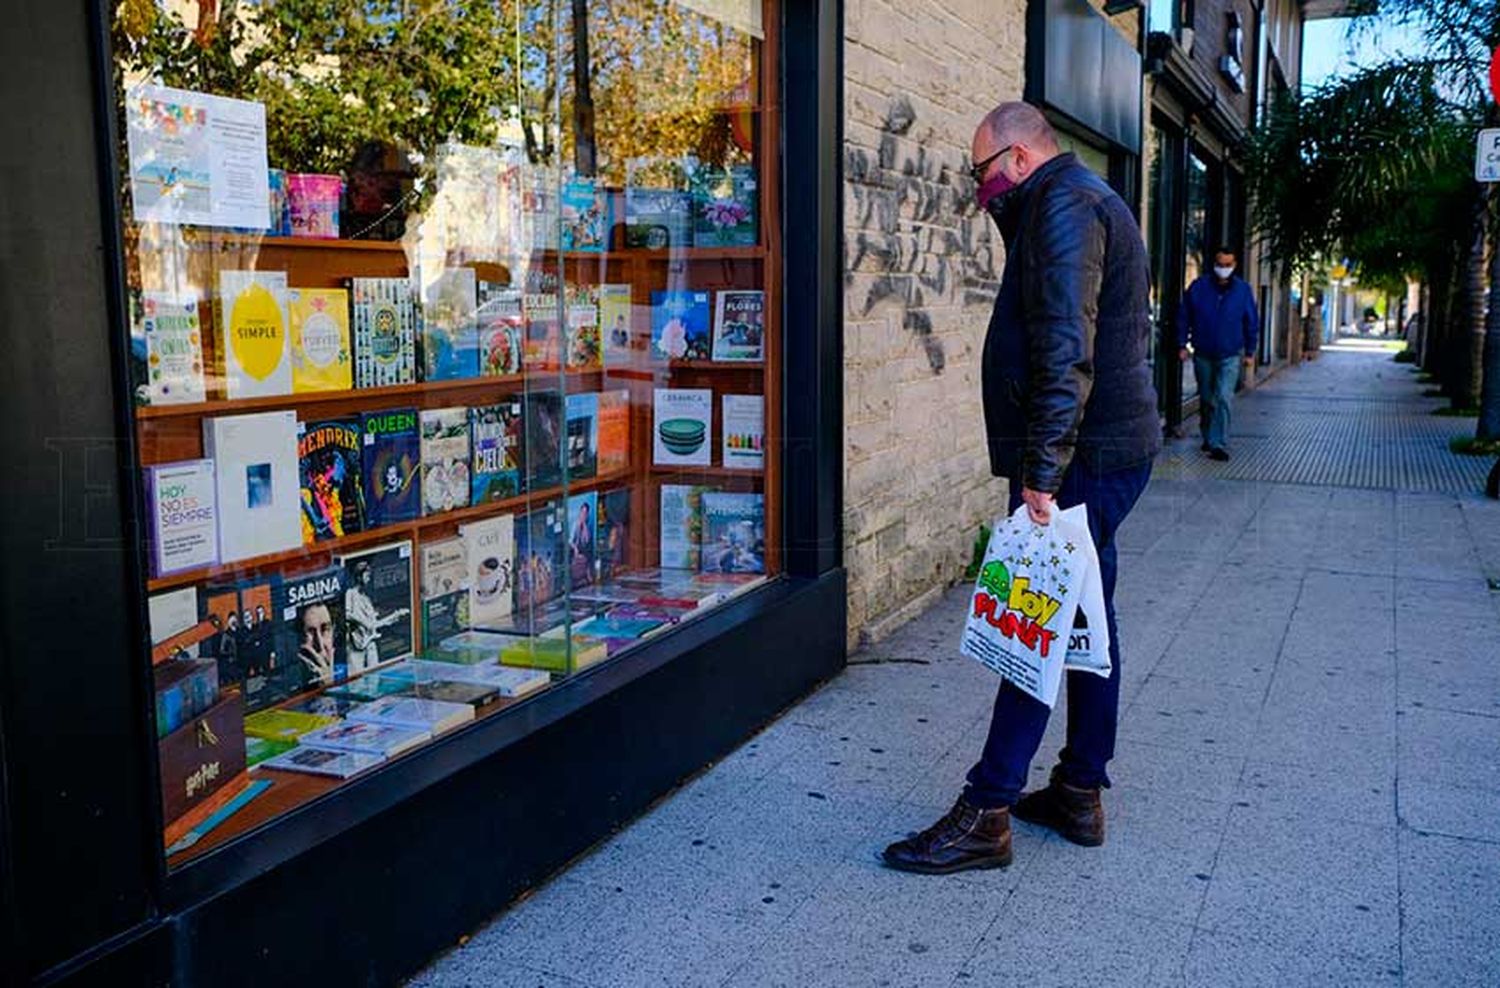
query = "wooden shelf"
{"x": 716, "y": 365}
{"x": 540, "y": 380}
{"x": 709, "y": 471}
{"x": 407, "y": 529}
{"x": 242, "y": 240}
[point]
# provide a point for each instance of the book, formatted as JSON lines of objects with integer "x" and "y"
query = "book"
{"x": 445, "y": 459}
{"x": 391, "y": 681}
{"x": 284, "y": 725}
{"x": 256, "y": 486}
{"x": 476, "y": 695}
{"x": 683, "y": 419}
{"x": 734, "y": 533}
{"x": 377, "y": 606}
{"x": 739, "y": 325}
{"x": 680, "y": 325}
{"x": 258, "y": 750}
{"x": 658, "y": 218}
{"x": 391, "y": 459}
{"x": 385, "y": 332}
{"x": 174, "y": 348}
{"x": 539, "y": 207}
{"x": 586, "y": 217}
{"x": 445, "y": 591}
{"x": 323, "y": 705}
{"x": 582, "y": 428}
{"x": 435, "y": 716}
{"x": 543, "y": 454}
{"x": 609, "y": 625}
{"x": 497, "y": 438}
{"x": 541, "y": 349}
{"x": 310, "y": 609}
{"x": 321, "y": 353}
{"x": 184, "y": 516}
{"x": 249, "y": 651}
{"x": 560, "y": 655}
{"x": 473, "y": 647}
{"x": 489, "y": 547}
{"x": 613, "y": 431}
{"x": 539, "y": 619}
{"x": 682, "y": 524}
{"x": 333, "y": 490}
{"x": 172, "y": 612}
{"x": 744, "y": 432}
{"x": 511, "y": 683}
{"x": 613, "y": 528}
{"x": 253, "y": 350}
{"x": 726, "y": 202}
{"x": 184, "y": 688}
{"x": 501, "y": 329}
{"x": 320, "y": 761}
{"x": 541, "y": 555}
{"x": 615, "y": 324}
{"x": 583, "y": 513}
{"x": 585, "y": 349}
{"x": 450, "y": 331}
{"x": 385, "y": 740}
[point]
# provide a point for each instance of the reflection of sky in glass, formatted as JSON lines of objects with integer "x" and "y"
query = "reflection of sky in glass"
{"x": 1164, "y": 15}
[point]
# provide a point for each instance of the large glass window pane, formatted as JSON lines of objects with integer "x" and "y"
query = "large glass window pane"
{"x": 1196, "y": 243}
{"x": 451, "y": 330}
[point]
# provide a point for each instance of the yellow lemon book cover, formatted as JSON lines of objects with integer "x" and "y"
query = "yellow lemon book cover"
{"x": 253, "y": 351}
{"x": 320, "y": 339}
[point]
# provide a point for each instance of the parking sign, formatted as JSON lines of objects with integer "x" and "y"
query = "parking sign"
{"x": 1487, "y": 156}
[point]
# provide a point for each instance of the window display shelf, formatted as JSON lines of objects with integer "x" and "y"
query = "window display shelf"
{"x": 708, "y": 471}
{"x": 717, "y": 365}
{"x": 424, "y": 524}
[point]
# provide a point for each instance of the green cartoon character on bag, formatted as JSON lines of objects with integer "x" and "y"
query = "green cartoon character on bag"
{"x": 994, "y": 578}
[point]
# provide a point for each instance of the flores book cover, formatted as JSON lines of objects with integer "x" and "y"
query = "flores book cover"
{"x": 378, "y": 605}
{"x": 333, "y": 498}
{"x": 392, "y": 460}
{"x": 739, "y": 325}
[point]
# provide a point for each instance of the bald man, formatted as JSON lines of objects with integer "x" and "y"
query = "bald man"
{"x": 1070, "y": 416}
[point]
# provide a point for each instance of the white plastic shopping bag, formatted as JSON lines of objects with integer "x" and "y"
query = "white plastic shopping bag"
{"x": 1024, "y": 601}
{"x": 1088, "y": 644}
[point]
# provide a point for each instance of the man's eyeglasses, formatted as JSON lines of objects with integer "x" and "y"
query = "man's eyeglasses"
{"x": 977, "y": 171}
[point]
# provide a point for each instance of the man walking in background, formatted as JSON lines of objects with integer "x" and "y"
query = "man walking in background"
{"x": 1218, "y": 320}
{"x": 1070, "y": 415}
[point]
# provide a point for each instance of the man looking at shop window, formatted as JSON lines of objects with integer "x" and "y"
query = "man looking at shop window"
{"x": 1218, "y": 320}
{"x": 1070, "y": 416}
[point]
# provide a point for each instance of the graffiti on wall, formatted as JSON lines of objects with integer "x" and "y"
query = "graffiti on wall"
{"x": 918, "y": 227}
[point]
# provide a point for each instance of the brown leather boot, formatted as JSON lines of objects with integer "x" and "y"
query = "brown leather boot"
{"x": 1075, "y": 813}
{"x": 966, "y": 837}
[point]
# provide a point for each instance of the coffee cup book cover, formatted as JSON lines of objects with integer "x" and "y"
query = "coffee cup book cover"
{"x": 680, "y": 325}
{"x": 333, "y": 497}
{"x": 184, "y": 516}
{"x": 445, "y": 459}
{"x": 681, "y": 427}
{"x": 444, "y": 584}
{"x": 322, "y": 359}
{"x": 545, "y": 422}
{"x": 450, "y": 331}
{"x": 541, "y": 555}
{"x": 490, "y": 547}
{"x": 582, "y": 435}
{"x": 739, "y": 325}
{"x": 314, "y": 635}
{"x": 174, "y": 348}
{"x": 391, "y": 458}
{"x": 734, "y": 533}
{"x": 501, "y": 329}
{"x": 257, "y": 482}
{"x": 378, "y": 606}
{"x": 583, "y": 535}
{"x": 744, "y": 438}
{"x": 254, "y": 343}
{"x": 497, "y": 438}
{"x": 385, "y": 332}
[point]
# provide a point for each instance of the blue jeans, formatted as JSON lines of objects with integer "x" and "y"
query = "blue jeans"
{"x": 1093, "y": 702}
{"x": 1217, "y": 379}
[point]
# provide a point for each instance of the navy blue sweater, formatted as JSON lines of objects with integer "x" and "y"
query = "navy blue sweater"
{"x": 1219, "y": 321}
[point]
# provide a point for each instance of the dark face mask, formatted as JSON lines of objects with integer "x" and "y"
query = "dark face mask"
{"x": 1005, "y": 210}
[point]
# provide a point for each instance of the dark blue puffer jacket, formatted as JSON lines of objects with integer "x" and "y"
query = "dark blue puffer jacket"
{"x": 1064, "y": 368}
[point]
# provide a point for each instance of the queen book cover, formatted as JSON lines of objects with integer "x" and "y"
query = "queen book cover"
{"x": 392, "y": 462}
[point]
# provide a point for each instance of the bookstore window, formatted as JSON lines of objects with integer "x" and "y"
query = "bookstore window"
{"x": 454, "y": 356}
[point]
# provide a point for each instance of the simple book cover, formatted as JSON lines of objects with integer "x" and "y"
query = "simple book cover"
{"x": 321, "y": 353}
{"x": 378, "y": 606}
{"x": 445, "y": 590}
{"x": 744, "y": 432}
{"x": 490, "y": 547}
{"x": 445, "y": 459}
{"x": 582, "y": 435}
{"x": 501, "y": 329}
{"x": 254, "y": 348}
{"x": 174, "y": 348}
{"x": 497, "y": 440}
{"x": 184, "y": 516}
{"x": 450, "y": 331}
{"x": 681, "y": 427}
{"x": 333, "y": 497}
{"x": 734, "y": 533}
{"x": 739, "y": 325}
{"x": 391, "y": 459}
{"x": 385, "y": 332}
{"x": 256, "y": 481}
{"x": 680, "y": 327}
